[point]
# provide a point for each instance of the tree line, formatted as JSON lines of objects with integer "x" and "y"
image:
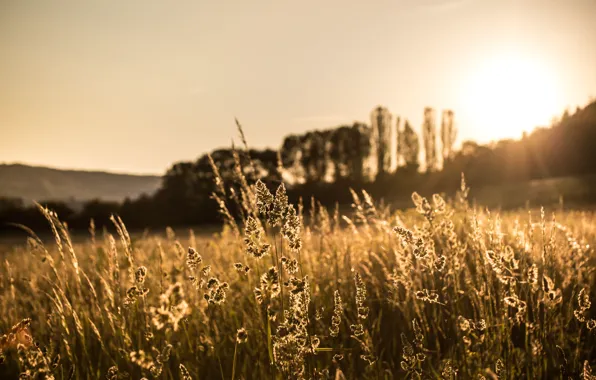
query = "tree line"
{"x": 386, "y": 157}
{"x": 363, "y": 153}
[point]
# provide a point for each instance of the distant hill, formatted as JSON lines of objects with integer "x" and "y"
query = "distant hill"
{"x": 40, "y": 184}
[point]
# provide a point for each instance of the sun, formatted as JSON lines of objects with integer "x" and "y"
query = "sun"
{"x": 508, "y": 95}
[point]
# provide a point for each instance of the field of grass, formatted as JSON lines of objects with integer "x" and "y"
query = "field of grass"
{"x": 442, "y": 290}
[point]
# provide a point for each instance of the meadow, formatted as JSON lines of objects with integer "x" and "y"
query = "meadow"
{"x": 443, "y": 290}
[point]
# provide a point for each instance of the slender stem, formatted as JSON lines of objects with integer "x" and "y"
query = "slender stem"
{"x": 281, "y": 273}
{"x": 234, "y": 363}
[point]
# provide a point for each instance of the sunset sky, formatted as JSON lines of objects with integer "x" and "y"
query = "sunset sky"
{"x": 133, "y": 86}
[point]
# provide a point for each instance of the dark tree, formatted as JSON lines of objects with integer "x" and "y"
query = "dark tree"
{"x": 448, "y": 134}
{"x": 429, "y": 134}
{"x": 315, "y": 158}
{"x": 291, "y": 158}
{"x": 409, "y": 147}
{"x": 381, "y": 131}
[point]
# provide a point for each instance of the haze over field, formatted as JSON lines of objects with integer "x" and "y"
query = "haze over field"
{"x": 43, "y": 184}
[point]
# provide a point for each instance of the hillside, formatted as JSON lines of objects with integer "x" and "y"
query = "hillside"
{"x": 41, "y": 183}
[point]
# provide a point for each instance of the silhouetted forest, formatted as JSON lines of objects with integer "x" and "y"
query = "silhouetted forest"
{"x": 386, "y": 158}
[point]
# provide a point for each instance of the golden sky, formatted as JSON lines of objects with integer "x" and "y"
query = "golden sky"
{"x": 134, "y": 86}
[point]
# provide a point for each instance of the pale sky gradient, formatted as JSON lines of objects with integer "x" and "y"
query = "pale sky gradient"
{"x": 134, "y": 86}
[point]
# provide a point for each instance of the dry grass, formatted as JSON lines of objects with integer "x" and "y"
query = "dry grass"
{"x": 442, "y": 291}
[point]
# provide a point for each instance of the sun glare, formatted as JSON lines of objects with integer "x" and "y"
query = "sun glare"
{"x": 509, "y": 95}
